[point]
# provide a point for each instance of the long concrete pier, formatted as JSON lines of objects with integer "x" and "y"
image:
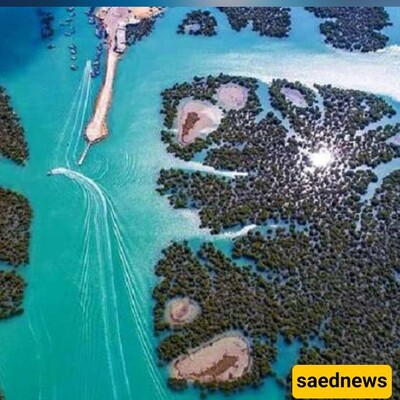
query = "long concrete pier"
{"x": 84, "y": 154}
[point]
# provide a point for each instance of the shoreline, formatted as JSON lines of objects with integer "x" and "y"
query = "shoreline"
{"x": 97, "y": 128}
{"x": 114, "y": 20}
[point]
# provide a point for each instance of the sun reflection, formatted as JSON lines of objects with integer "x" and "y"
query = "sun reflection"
{"x": 321, "y": 158}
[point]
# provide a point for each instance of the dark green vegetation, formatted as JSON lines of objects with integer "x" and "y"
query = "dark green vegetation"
{"x": 279, "y": 185}
{"x": 46, "y": 23}
{"x": 15, "y": 214}
{"x": 337, "y": 278}
{"x": 200, "y": 89}
{"x": 11, "y": 294}
{"x": 353, "y": 28}
{"x": 267, "y": 21}
{"x": 136, "y": 32}
{"x": 12, "y": 136}
{"x": 230, "y": 298}
{"x": 198, "y": 22}
{"x": 15, "y": 221}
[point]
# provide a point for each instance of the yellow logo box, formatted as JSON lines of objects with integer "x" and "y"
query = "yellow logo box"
{"x": 342, "y": 381}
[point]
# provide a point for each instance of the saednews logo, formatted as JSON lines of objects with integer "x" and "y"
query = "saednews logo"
{"x": 342, "y": 381}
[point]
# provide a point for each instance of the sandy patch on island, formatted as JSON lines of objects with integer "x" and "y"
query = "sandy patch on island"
{"x": 128, "y": 14}
{"x": 395, "y": 139}
{"x": 145, "y": 12}
{"x": 181, "y": 311}
{"x": 196, "y": 118}
{"x": 294, "y": 96}
{"x": 192, "y": 28}
{"x": 232, "y": 96}
{"x": 222, "y": 359}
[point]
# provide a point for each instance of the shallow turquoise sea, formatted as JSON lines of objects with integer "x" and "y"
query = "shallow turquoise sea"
{"x": 98, "y": 230}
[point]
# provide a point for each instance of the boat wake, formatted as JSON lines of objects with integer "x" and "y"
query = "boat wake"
{"x": 71, "y": 133}
{"x": 102, "y": 235}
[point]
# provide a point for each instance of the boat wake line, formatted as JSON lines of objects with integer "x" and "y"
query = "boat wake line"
{"x": 101, "y": 233}
{"x": 71, "y": 132}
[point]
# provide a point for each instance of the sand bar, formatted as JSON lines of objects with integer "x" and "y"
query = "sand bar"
{"x": 196, "y": 118}
{"x": 232, "y": 96}
{"x": 222, "y": 359}
{"x": 294, "y": 96}
{"x": 181, "y": 311}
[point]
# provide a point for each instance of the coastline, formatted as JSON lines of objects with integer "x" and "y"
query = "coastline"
{"x": 146, "y": 220}
{"x": 97, "y": 128}
{"x": 114, "y": 21}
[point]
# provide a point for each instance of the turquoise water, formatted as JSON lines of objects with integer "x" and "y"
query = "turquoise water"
{"x": 87, "y": 330}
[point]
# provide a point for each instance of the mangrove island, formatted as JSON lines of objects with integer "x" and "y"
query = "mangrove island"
{"x": 198, "y": 22}
{"x": 353, "y": 28}
{"x": 321, "y": 265}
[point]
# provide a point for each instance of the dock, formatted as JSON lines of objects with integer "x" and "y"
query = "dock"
{"x": 84, "y": 154}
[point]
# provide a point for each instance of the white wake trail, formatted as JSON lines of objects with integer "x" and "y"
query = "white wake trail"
{"x": 130, "y": 281}
{"x": 104, "y": 212}
{"x": 73, "y": 129}
{"x": 78, "y": 109}
{"x": 103, "y": 250}
{"x": 71, "y": 112}
{"x": 84, "y": 300}
{"x": 38, "y": 356}
{"x": 88, "y": 68}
